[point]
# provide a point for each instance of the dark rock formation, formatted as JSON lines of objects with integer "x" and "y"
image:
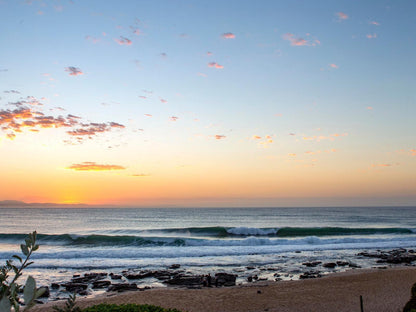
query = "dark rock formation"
{"x": 395, "y": 256}
{"x": 329, "y": 265}
{"x": 311, "y": 264}
{"x": 122, "y": 287}
{"x": 100, "y": 284}
{"x": 310, "y": 274}
{"x": 225, "y": 279}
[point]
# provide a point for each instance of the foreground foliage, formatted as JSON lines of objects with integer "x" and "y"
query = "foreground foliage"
{"x": 127, "y": 308}
{"x": 10, "y": 289}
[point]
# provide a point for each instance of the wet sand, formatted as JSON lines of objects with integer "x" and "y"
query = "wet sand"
{"x": 385, "y": 290}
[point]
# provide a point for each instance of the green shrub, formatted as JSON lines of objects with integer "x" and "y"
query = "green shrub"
{"x": 10, "y": 289}
{"x": 127, "y": 308}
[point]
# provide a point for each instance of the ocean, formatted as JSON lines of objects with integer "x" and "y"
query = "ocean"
{"x": 242, "y": 241}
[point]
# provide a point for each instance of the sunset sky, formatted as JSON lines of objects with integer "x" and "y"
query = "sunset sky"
{"x": 208, "y": 103}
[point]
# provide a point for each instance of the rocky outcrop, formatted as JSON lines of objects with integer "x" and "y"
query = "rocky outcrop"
{"x": 225, "y": 279}
{"x": 396, "y": 256}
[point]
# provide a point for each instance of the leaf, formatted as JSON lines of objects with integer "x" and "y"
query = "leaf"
{"x": 29, "y": 290}
{"x": 5, "y": 304}
{"x": 24, "y": 249}
{"x": 40, "y": 292}
{"x": 36, "y": 247}
{"x": 18, "y": 258}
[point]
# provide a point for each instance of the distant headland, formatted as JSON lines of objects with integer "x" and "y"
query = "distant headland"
{"x": 21, "y": 204}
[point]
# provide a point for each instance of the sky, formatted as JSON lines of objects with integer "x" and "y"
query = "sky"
{"x": 208, "y": 103}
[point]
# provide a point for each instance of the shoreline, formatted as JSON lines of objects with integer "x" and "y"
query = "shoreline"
{"x": 382, "y": 290}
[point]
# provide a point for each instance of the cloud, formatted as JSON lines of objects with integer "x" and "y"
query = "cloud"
{"x": 140, "y": 175}
{"x": 228, "y": 36}
{"x": 135, "y": 30}
{"x": 92, "y": 39}
{"x": 91, "y": 129}
{"x": 92, "y": 166}
{"x": 219, "y": 136}
{"x": 148, "y": 115}
{"x": 174, "y": 118}
{"x": 381, "y": 165}
{"x": 319, "y": 138}
{"x": 413, "y": 151}
{"x": 294, "y": 41}
{"x": 215, "y": 65}
{"x": 374, "y": 23}
{"x": 371, "y": 36}
{"x": 123, "y": 41}
{"x": 334, "y": 66}
{"x": 12, "y": 91}
{"x": 26, "y": 117}
{"x": 74, "y": 71}
{"x": 341, "y": 16}
{"x": 256, "y": 137}
{"x": 292, "y": 155}
{"x": 163, "y": 101}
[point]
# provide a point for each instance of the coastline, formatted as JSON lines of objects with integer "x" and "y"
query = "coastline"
{"x": 382, "y": 290}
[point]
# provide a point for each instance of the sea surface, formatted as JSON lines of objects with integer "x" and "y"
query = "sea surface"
{"x": 243, "y": 241}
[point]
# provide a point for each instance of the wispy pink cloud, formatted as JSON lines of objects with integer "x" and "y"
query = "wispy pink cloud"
{"x": 381, "y": 165}
{"x": 298, "y": 41}
{"x": 334, "y": 66}
{"x": 163, "y": 101}
{"x": 173, "y": 118}
{"x": 219, "y": 136}
{"x": 123, "y": 41}
{"x": 341, "y": 16}
{"x": 92, "y": 166}
{"x": 371, "y": 36}
{"x": 215, "y": 65}
{"x": 92, "y": 39}
{"x": 228, "y": 36}
{"x": 74, "y": 71}
{"x": 374, "y": 23}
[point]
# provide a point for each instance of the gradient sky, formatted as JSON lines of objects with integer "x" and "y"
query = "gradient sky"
{"x": 208, "y": 103}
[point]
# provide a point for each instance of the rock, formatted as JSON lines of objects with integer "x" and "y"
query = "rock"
{"x": 342, "y": 263}
{"x": 115, "y": 276}
{"x": 122, "y": 287}
{"x": 175, "y": 266}
{"x": 184, "y": 280}
{"x": 395, "y": 256}
{"x": 310, "y": 274}
{"x": 225, "y": 279}
{"x": 75, "y": 287}
{"x": 89, "y": 277}
{"x": 329, "y": 265}
{"x": 249, "y": 279}
{"x": 162, "y": 274}
{"x": 55, "y": 286}
{"x": 100, "y": 284}
{"x": 312, "y": 264}
{"x": 250, "y": 268}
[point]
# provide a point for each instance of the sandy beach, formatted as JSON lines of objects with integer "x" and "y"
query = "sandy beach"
{"x": 383, "y": 290}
